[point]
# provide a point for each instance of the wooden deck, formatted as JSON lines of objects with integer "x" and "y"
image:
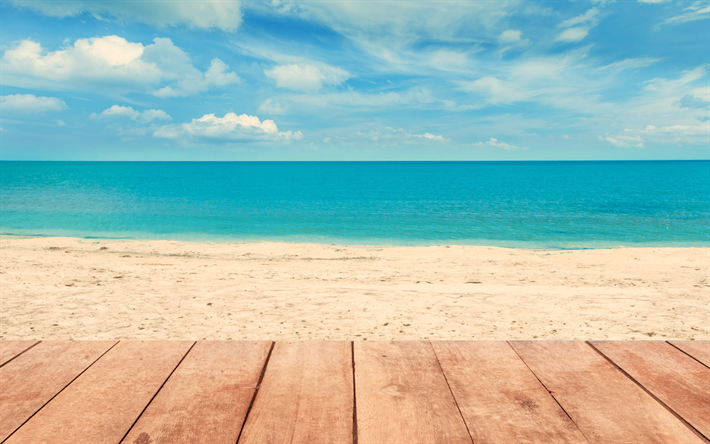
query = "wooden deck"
{"x": 365, "y": 392}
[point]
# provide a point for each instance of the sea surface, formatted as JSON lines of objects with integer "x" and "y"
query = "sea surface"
{"x": 511, "y": 204}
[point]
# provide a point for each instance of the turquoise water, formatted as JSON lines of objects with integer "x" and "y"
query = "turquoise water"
{"x": 523, "y": 204}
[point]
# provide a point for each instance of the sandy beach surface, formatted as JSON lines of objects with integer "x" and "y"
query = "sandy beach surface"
{"x": 66, "y": 288}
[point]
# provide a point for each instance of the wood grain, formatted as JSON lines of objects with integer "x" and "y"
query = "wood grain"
{"x": 206, "y": 398}
{"x": 102, "y": 404}
{"x": 306, "y": 396}
{"x": 699, "y": 350}
{"x": 10, "y": 349}
{"x": 679, "y": 381}
{"x": 33, "y": 378}
{"x": 499, "y": 397}
{"x": 607, "y": 406}
{"x": 402, "y": 396}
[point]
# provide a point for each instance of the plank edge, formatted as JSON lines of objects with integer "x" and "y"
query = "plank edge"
{"x": 686, "y": 353}
{"x": 156, "y": 392}
{"x": 655, "y": 398}
{"x": 62, "y": 389}
{"x": 19, "y": 354}
{"x": 256, "y": 390}
{"x": 453, "y": 396}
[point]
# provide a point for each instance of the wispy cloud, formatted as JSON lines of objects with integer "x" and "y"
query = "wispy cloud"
{"x": 224, "y": 15}
{"x": 494, "y": 143}
{"x": 698, "y": 11}
{"x": 578, "y": 27}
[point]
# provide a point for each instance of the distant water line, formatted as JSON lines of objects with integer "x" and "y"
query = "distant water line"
{"x": 512, "y": 204}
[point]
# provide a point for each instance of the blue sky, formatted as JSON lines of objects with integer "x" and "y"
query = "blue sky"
{"x": 366, "y": 80}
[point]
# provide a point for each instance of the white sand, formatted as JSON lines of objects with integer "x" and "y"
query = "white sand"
{"x": 61, "y": 288}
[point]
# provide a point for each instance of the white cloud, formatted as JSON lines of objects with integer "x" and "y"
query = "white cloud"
{"x": 306, "y": 78}
{"x": 572, "y": 35}
{"x": 29, "y": 103}
{"x": 220, "y": 14}
{"x": 493, "y": 142}
{"x": 231, "y": 127}
{"x": 691, "y": 134}
{"x": 126, "y": 111}
{"x": 117, "y": 111}
{"x": 697, "y": 12}
{"x": 149, "y": 115}
{"x": 60, "y": 123}
{"x": 652, "y": 1}
{"x": 430, "y": 136}
{"x": 111, "y": 61}
{"x": 268, "y": 106}
{"x": 623, "y": 141}
{"x": 510, "y": 36}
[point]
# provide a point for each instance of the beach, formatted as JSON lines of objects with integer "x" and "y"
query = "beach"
{"x": 73, "y": 288}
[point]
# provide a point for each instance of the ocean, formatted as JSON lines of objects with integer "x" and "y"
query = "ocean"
{"x": 510, "y": 204}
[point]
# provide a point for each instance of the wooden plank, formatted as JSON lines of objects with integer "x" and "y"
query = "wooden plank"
{"x": 102, "y": 404}
{"x": 33, "y": 378}
{"x": 402, "y": 396}
{"x": 207, "y": 397}
{"x": 676, "y": 379}
{"x": 306, "y": 396}
{"x": 10, "y": 349}
{"x": 499, "y": 397}
{"x": 699, "y": 350}
{"x": 606, "y": 405}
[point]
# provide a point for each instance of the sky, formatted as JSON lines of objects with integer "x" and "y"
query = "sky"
{"x": 360, "y": 80}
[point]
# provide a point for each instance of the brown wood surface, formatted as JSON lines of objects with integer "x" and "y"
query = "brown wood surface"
{"x": 103, "y": 403}
{"x": 33, "y": 378}
{"x": 206, "y": 398}
{"x": 306, "y": 396}
{"x": 499, "y": 397}
{"x": 606, "y": 405}
{"x": 10, "y": 349}
{"x": 699, "y": 350}
{"x": 679, "y": 381}
{"x": 402, "y": 396}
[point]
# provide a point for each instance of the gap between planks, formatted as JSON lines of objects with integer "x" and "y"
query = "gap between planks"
{"x": 258, "y": 386}
{"x": 156, "y": 393}
{"x": 651, "y": 394}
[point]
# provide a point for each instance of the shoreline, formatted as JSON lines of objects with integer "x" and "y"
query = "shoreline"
{"x": 520, "y": 245}
{"x": 75, "y": 288}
